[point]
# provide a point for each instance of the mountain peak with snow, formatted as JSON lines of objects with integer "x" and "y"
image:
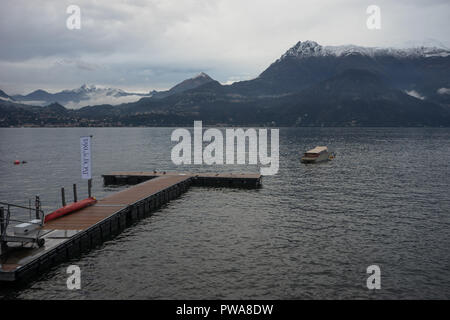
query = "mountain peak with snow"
{"x": 306, "y": 48}
{"x": 84, "y": 88}
{"x": 84, "y": 95}
{"x": 310, "y": 48}
{"x": 202, "y": 75}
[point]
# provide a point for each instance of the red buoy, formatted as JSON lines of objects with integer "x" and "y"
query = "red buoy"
{"x": 70, "y": 208}
{"x": 16, "y": 162}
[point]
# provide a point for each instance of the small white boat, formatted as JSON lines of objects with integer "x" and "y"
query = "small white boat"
{"x": 318, "y": 154}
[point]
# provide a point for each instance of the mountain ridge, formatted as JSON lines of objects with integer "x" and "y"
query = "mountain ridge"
{"x": 73, "y": 96}
{"x": 310, "y": 48}
{"x": 348, "y": 86}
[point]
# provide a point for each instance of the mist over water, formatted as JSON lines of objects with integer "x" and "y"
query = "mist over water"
{"x": 310, "y": 231}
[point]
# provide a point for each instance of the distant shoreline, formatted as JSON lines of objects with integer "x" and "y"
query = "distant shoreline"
{"x": 220, "y": 126}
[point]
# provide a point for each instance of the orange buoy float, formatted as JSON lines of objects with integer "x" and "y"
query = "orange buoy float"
{"x": 70, "y": 208}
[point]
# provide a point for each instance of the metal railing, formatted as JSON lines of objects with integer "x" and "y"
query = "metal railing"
{"x": 5, "y": 219}
{"x": 39, "y": 213}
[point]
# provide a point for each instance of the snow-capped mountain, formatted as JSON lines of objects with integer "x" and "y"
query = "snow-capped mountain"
{"x": 93, "y": 89}
{"x": 310, "y": 85}
{"x": 421, "y": 70}
{"x": 313, "y": 49}
{"x": 97, "y": 95}
{"x": 82, "y": 96}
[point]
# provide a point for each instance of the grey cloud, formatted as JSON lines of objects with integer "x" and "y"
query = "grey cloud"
{"x": 157, "y": 43}
{"x": 78, "y": 63}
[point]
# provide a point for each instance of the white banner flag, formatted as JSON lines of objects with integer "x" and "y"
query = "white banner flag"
{"x": 85, "y": 143}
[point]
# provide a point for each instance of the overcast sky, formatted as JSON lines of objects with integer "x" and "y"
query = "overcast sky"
{"x": 144, "y": 45}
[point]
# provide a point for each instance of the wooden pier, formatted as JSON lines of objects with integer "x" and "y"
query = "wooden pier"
{"x": 239, "y": 180}
{"x": 71, "y": 235}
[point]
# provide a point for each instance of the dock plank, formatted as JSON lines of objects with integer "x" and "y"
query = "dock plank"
{"x": 106, "y": 207}
{"x": 190, "y": 174}
{"x": 142, "y": 190}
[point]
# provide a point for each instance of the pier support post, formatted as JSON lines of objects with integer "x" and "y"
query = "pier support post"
{"x": 37, "y": 204}
{"x": 3, "y": 246}
{"x": 75, "y": 192}
{"x": 63, "y": 197}
{"x": 90, "y": 188}
{"x": 2, "y": 215}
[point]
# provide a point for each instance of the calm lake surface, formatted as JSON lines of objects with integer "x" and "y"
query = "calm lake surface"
{"x": 309, "y": 232}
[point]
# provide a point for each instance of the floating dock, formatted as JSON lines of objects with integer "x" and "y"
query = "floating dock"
{"x": 239, "y": 180}
{"x": 72, "y": 235}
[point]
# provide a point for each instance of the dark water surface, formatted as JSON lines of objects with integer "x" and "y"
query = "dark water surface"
{"x": 310, "y": 232}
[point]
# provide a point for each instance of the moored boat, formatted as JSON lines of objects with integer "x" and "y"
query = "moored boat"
{"x": 318, "y": 154}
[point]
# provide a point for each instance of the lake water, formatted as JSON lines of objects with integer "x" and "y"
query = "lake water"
{"x": 309, "y": 232}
